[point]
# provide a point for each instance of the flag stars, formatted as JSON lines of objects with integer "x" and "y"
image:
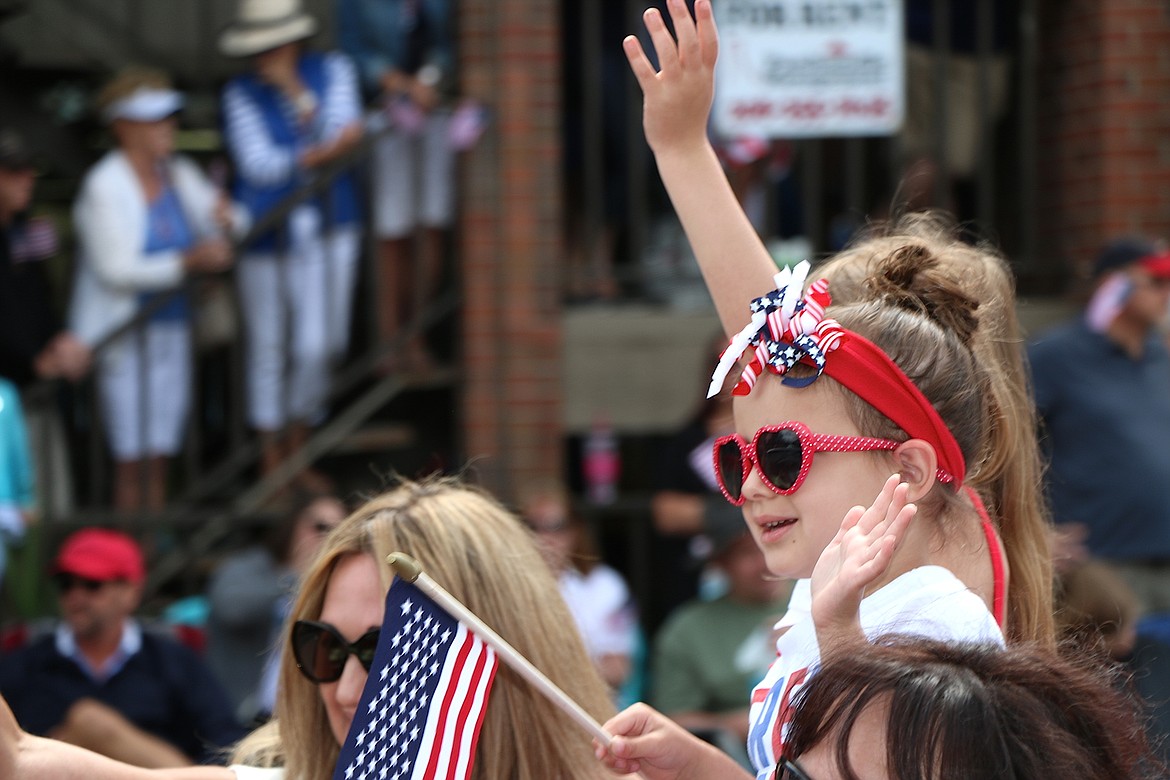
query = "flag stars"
{"x": 387, "y": 745}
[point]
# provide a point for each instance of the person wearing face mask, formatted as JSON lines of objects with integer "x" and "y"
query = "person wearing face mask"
{"x": 709, "y": 653}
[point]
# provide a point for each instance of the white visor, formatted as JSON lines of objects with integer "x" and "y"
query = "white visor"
{"x": 144, "y": 105}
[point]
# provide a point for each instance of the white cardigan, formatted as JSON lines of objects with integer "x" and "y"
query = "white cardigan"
{"x": 109, "y": 216}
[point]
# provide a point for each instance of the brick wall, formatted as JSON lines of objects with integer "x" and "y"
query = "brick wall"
{"x": 511, "y": 244}
{"x": 1104, "y": 118}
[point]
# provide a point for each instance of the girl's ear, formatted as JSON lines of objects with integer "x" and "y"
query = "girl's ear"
{"x": 918, "y": 465}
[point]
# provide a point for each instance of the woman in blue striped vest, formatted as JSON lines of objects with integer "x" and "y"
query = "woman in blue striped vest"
{"x": 292, "y": 114}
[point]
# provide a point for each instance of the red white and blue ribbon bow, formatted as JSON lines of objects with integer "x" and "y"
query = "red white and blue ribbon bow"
{"x": 786, "y": 328}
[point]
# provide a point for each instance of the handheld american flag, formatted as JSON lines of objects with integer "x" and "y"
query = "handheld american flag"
{"x": 424, "y": 700}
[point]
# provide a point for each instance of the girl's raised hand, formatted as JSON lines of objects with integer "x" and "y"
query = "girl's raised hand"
{"x": 857, "y": 557}
{"x": 676, "y": 98}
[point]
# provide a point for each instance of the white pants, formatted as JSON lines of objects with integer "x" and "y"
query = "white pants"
{"x": 414, "y": 179}
{"x": 297, "y": 307}
{"x": 145, "y": 385}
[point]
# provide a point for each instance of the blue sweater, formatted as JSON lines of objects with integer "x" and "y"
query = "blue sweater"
{"x": 164, "y": 689}
{"x": 1106, "y": 427}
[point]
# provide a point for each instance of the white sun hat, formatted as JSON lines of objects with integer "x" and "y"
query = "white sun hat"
{"x": 261, "y": 25}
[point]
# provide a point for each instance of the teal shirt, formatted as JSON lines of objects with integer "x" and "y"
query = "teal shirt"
{"x": 16, "y": 471}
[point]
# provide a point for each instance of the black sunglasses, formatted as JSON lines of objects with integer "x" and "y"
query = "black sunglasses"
{"x": 782, "y": 455}
{"x": 321, "y": 651}
{"x": 787, "y": 769}
{"x": 67, "y": 582}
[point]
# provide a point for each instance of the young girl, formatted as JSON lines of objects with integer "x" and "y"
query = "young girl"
{"x": 1007, "y": 472}
{"x": 857, "y": 402}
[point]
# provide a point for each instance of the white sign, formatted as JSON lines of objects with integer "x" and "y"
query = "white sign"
{"x": 809, "y": 68}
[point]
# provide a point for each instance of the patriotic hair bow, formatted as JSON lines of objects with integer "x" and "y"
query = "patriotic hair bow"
{"x": 786, "y": 328}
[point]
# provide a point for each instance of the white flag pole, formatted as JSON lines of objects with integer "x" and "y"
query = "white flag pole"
{"x": 408, "y": 569}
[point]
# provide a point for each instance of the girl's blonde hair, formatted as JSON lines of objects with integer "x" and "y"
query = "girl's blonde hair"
{"x": 1006, "y": 469}
{"x": 484, "y": 557}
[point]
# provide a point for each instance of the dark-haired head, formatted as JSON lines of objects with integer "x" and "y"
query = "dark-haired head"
{"x": 310, "y": 516}
{"x": 941, "y": 711}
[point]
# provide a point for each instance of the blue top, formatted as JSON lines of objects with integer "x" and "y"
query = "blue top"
{"x": 16, "y": 470}
{"x": 167, "y": 231}
{"x": 163, "y": 688}
{"x": 265, "y": 139}
{"x": 1106, "y": 428}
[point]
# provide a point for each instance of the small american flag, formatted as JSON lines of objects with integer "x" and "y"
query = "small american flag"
{"x": 424, "y": 700}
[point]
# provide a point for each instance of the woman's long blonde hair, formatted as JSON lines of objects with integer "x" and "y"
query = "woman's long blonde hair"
{"x": 1007, "y": 473}
{"x": 484, "y": 557}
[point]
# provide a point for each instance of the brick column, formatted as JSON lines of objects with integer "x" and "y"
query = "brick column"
{"x": 510, "y": 242}
{"x": 1104, "y": 124}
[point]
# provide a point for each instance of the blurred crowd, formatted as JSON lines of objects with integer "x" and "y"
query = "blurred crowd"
{"x": 287, "y": 221}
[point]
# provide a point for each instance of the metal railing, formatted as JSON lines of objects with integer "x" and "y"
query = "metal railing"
{"x": 216, "y": 489}
{"x": 832, "y": 184}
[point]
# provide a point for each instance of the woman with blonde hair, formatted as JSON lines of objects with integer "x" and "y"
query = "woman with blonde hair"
{"x": 478, "y": 552}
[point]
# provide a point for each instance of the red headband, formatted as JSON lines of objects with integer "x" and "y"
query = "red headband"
{"x": 860, "y": 365}
{"x": 789, "y": 327}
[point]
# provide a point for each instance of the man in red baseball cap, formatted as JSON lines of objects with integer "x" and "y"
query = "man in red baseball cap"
{"x": 1102, "y": 388}
{"x": 98, "y": 574}
{"x": 104, "y": 681}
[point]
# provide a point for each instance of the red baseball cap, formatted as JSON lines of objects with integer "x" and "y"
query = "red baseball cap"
{"x": 1158, "y": 265}
{"x": 101, "y": 554}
